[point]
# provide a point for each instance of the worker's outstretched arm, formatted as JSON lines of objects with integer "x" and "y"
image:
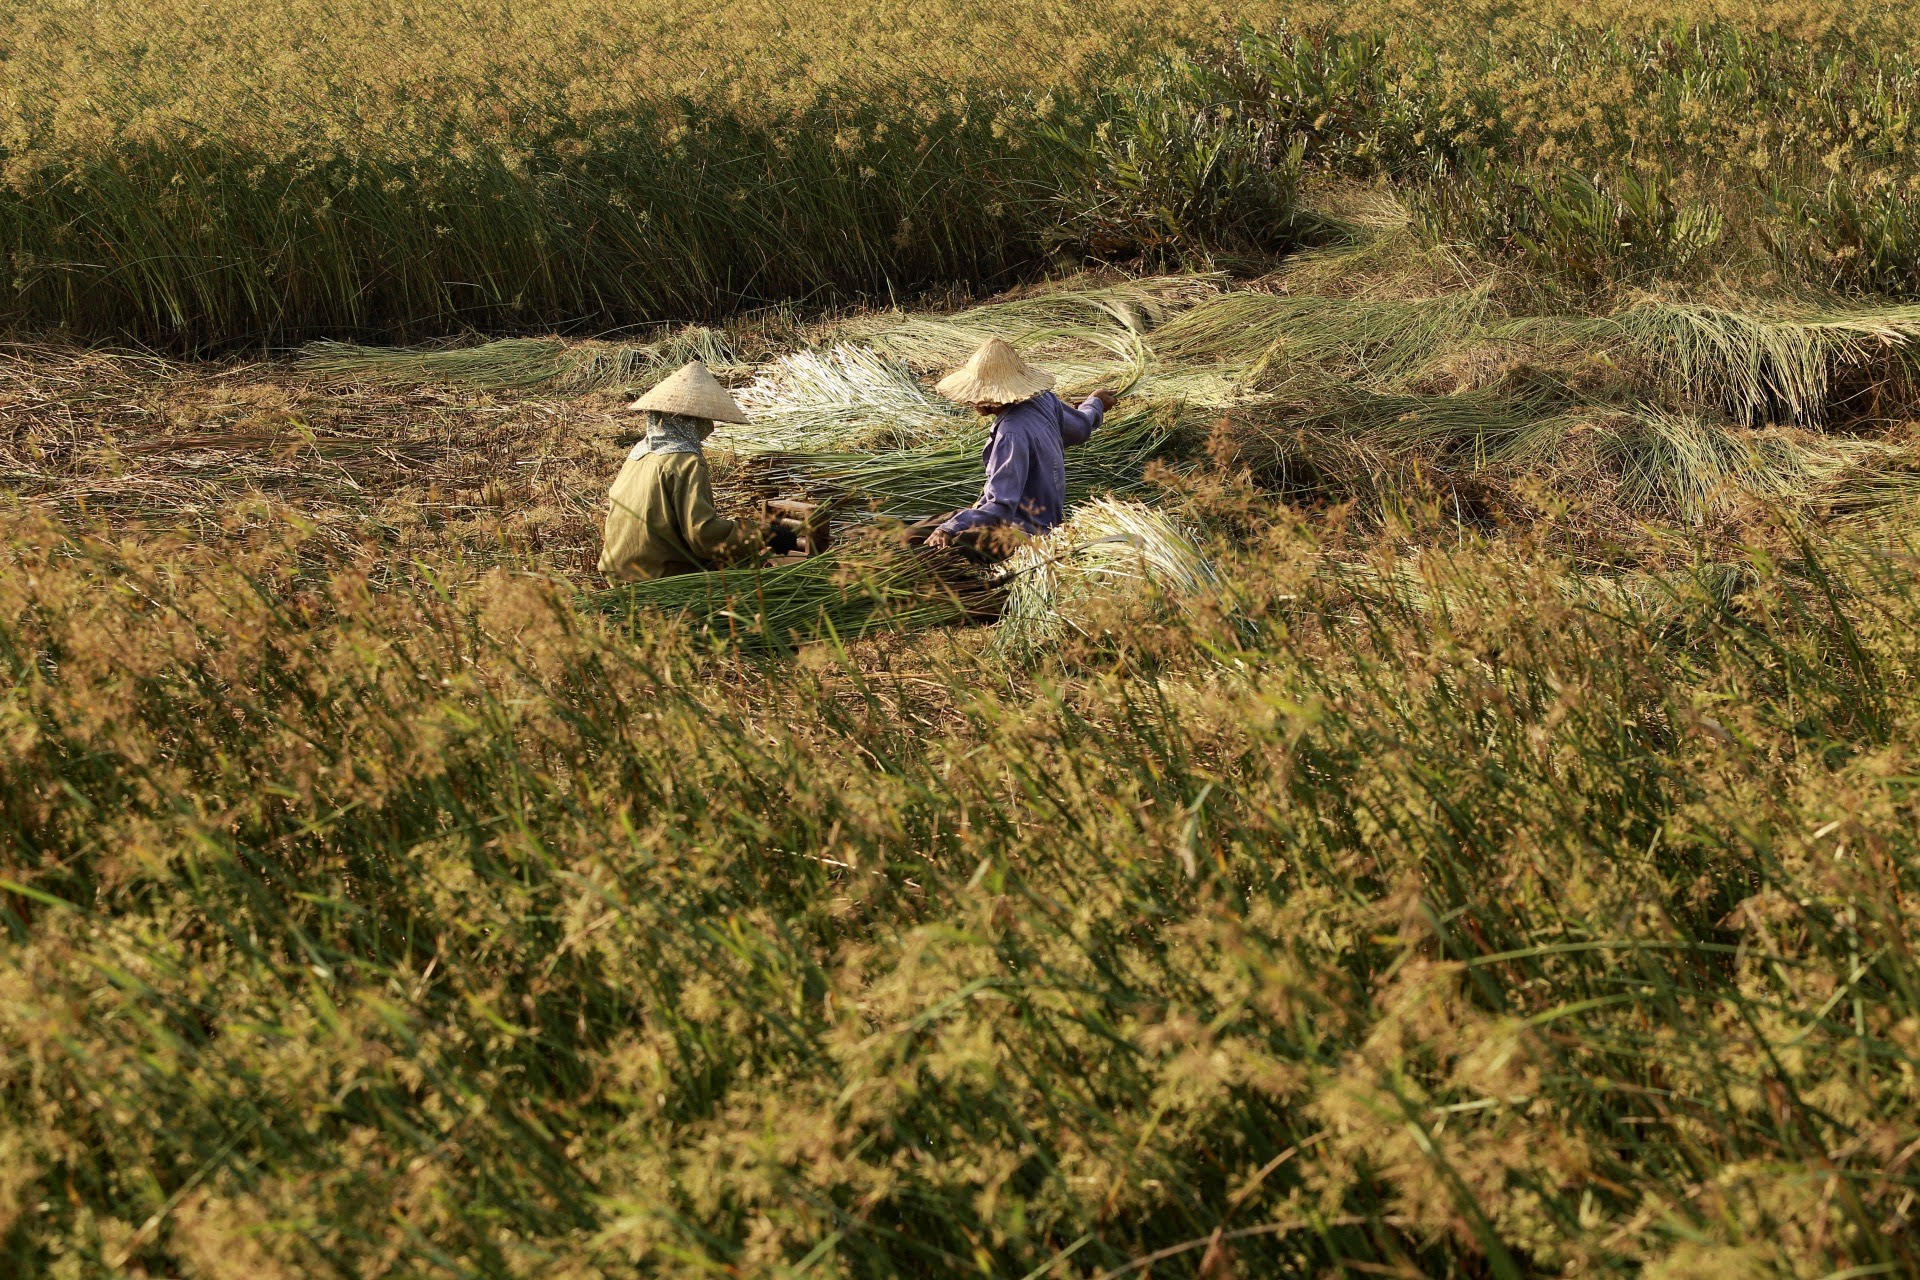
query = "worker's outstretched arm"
{"x": 1077, "y": 425}
{"x": 1008, "y": 461}
{"x": 718, "y": 540}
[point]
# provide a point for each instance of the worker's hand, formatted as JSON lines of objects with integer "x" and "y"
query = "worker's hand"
{"x": 1107, "y": 399}
{"x": 939, "y": 538}
{"x": 782, "y": 540}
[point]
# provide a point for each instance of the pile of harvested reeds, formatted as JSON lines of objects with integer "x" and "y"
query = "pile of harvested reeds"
{"x": 1656, "y": 408}
{"x": 911, "y": 484}
{"x": 1106, "y": 551}
{"x": 849, "y": 594}
{"x": 523, "y": 364}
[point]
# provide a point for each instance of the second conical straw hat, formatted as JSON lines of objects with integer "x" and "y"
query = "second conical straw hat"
{"x": 692, "y": 393}
{"x": 995, "y": 375}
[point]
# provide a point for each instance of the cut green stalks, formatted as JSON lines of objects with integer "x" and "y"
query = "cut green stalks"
{"x": 1060, "y": 318}
{"x": 845, "y": 595}
{"x": 522, "y": 364}
{"x": 1106, "y": 551}
{"x": 1757, "y": 368}
{"x": 853, "y": 419}
{"x": 911, "y": 484}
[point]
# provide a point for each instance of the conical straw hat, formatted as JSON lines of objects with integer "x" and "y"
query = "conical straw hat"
{"x": 995, "y": 375}
{"x": 691, "y": 393}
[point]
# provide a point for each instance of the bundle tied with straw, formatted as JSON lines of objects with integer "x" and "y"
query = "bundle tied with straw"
{"x": 842, "y": 397}
{"x": 1106, "y": 553}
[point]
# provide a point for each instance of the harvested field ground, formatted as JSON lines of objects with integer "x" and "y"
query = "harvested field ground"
{"x": 151, "y": 447}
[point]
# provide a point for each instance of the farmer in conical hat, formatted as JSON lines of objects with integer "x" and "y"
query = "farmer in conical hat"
{"x": 662, "y": 519}
{"x": 1025, "y": 454}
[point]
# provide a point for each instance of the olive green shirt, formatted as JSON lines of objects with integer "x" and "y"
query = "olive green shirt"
{"x": 662, "y": 521}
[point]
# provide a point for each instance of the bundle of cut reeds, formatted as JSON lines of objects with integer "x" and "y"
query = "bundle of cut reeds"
{"x": 849, "y": 594}
{"x": 914, "y": 483}
{"x": 840, "y": 397}
{"x": 523, "y": 364}
{"x": 1058, "y": 322}
{"x": 1756, "y": 367}
{"x": 1106, "y": 550}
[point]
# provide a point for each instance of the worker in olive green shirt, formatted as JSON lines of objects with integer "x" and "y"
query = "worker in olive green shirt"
{"x": 662, "y": 519}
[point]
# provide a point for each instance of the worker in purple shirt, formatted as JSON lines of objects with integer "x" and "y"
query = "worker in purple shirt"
{"x": 1025, "y": 455}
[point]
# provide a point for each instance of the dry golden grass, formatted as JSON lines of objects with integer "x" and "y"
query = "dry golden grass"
{"x": 1475, "y": 917}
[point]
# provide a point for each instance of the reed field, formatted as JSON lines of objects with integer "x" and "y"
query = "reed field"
{"x": 1440, "y": 805}
{"x": 208, "y": 176}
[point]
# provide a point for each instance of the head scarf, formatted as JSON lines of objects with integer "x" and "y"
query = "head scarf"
{"x": 671, "y": 433}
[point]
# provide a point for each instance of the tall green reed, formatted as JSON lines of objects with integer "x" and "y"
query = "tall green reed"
{"x": 674, "y": 214}
{"x": 1602, "y": 159}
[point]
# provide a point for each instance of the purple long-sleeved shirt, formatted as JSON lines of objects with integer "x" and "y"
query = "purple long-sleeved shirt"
{"x": 1027, "y": 465}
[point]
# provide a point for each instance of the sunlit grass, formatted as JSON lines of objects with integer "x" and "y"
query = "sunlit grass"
{"x": 1441, "y": 907}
